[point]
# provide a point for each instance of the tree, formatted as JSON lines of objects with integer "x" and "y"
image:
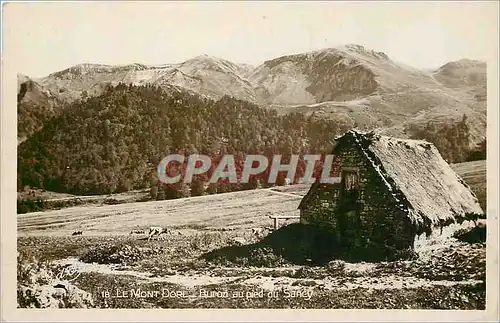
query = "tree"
{"x": 153, "y": 192}
{"x": 197, "y": 188}
{"x": 212, "y": 189}
{"x": 479, "y": 153}
{"x": 161, "y": 194}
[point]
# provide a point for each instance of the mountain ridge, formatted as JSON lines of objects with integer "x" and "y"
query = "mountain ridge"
{"x": 326, "y": 83}
{"x": 350, "y": 54}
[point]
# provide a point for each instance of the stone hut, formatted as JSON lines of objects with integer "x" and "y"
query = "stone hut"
{"x": 391, "y": 191}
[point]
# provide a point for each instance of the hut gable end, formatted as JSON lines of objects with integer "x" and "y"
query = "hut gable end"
{"x": 412, "y": 177}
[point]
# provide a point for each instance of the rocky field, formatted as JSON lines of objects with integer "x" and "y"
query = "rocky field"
{"x": 177, "y": 272}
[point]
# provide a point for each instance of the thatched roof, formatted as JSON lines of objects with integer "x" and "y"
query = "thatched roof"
{"x": 420, "y": 180}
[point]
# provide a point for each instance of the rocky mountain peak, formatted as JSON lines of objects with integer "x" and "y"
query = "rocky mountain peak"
{"x": 91, "y": 69}
{"x": 353, "y": 48}
{"x": 214, "y": 63}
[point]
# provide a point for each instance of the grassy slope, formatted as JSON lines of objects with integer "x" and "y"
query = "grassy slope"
{"x": 474, "y": 174}
{"x": 244, "y": 209}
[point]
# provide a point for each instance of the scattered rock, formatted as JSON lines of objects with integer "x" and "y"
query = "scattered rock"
{"x": 238, "y": 241}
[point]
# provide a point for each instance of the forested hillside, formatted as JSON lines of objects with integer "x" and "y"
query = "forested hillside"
{"x": 114, "y": 142}
{"x": 35, "y": 106}
{"x": 452, "y": 140}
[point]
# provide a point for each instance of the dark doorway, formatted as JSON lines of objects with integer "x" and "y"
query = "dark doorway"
{"x": 349, "y": 208}
{"x": 350, "y": 187}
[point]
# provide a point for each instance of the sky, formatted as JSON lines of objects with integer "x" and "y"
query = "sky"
{"x": 47, "y": 37}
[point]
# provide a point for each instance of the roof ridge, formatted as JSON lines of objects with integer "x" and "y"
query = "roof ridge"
{"x": 392, "y": 187}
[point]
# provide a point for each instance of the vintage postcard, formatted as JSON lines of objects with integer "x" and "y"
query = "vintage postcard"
{"x": 249, "y": 161}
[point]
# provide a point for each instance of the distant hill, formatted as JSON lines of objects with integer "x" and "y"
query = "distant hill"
{"x": 467, "y": 76}
{"x": 462, "y": 73}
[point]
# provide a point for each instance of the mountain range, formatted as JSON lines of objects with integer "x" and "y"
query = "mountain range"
{"x": 350, "y": 83}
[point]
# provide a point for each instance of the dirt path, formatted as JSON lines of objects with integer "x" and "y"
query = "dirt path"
{"x": 256, "y": 278}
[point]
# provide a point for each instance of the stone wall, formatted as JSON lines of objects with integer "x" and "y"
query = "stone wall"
{"x": 380, "y": 220}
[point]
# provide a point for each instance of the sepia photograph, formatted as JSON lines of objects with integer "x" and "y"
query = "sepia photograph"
{"x": 328, "y": 156}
